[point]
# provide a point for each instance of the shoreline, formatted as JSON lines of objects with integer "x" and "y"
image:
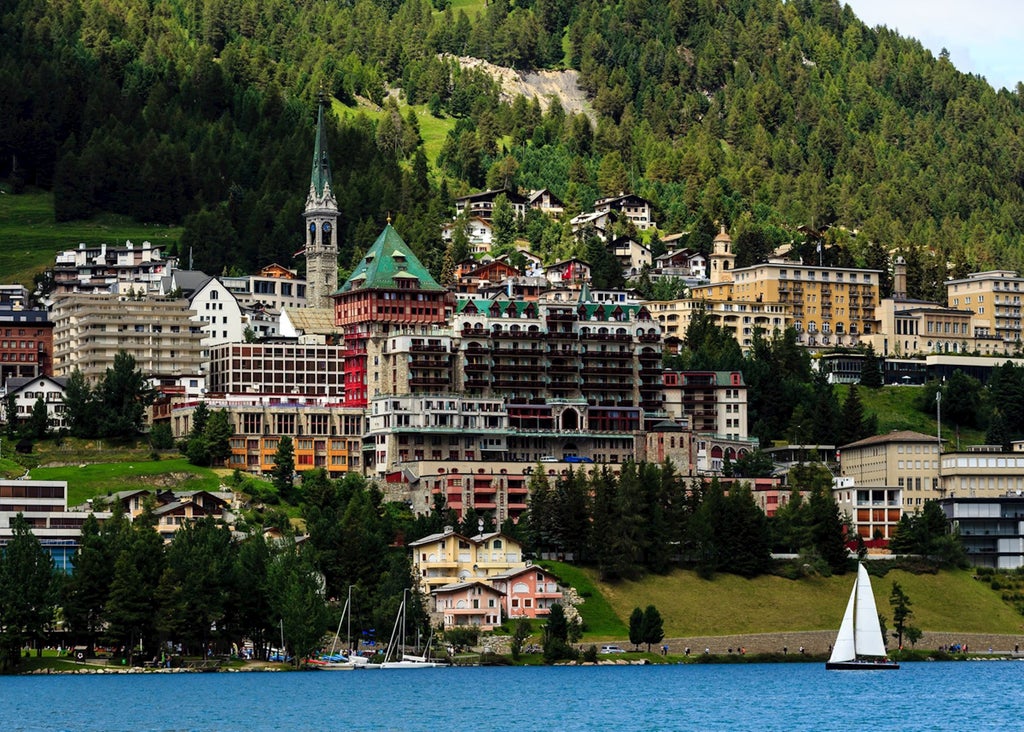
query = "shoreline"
{"x": 781, "y": 647}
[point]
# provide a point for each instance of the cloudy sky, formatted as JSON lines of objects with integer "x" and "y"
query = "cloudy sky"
{"x": 982, "y": 36}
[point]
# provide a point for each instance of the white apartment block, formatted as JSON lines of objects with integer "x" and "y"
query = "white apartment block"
{"x": 111, "y": 269}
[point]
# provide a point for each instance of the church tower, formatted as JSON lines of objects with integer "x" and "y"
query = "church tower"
{"x": 722, "y": 259}
{"x": 321, "y": 216}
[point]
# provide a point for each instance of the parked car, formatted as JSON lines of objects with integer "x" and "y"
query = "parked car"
{"x": 611, "y": 649}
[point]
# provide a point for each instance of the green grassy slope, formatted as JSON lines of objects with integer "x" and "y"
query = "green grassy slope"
{"x": 29, "y": 236}
{"x": 729, "y": 605}
{"x": 88, "y": 480}
{"x": 894, "y": 406}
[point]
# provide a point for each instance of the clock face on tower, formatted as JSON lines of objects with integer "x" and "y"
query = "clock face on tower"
{"x": 312, "y": 228}
{"x": 327, "y": 227}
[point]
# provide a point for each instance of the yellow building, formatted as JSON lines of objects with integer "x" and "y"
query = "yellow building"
{"x": 994, "y": 299}
{"x": 827, "y": 306}
{"x": 450, "y": 557}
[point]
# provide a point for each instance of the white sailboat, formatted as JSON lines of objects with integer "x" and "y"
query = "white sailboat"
{"x": 340, "y": 662}
{"x": 391, "y": 659}
{"x": 859, "y": 645}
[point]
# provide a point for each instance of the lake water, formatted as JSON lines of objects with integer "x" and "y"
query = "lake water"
{"x": 921, "y": 696}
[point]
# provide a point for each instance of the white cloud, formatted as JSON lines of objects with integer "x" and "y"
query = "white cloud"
{"x": 983, "y": 37}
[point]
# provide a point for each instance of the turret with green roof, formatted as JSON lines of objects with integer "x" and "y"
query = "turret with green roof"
{"x": 387, "y": 262}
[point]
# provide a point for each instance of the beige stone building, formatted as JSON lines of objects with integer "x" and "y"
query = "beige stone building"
{"x": 981, "y": 474}
{"x": 902, "y": 459}
{"x": 827, "y": 306}
{"x": 994, "y": 299}
{"x": 159, "y": 333}
{"x": 905, "y": 327}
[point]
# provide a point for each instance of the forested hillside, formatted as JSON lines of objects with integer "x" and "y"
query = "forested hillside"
{"x": 763, "y": 115}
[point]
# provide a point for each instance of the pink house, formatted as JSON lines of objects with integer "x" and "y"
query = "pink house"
{"x": 529, "y": 592}
{"x": 473, "y": 604}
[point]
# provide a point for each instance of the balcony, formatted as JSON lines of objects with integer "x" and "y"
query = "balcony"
{"x": 427, "y": 348}
{"x": 429, "y": 381}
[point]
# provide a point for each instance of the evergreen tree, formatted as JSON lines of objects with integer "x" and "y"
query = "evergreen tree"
{"x": 653, "y": 627}
{"x": 283, "y": 472}
{"x": 901, "y": 612}
{"x": 27, "y": 593}
{"x": 79, "y": 406}
{"x": 852, "y": 423}
{"x": 122, "y": 397}
{"x": 38, "y": 425}
{"x": 636, "y": 628}
{"x": 871, "y": 370}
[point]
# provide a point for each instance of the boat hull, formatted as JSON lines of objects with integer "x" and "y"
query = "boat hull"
{"x": 861, "y": 666}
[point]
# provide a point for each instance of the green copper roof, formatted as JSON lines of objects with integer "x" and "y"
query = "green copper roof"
{"x": 387, "y": 260}
{"x": 321, "y": 177}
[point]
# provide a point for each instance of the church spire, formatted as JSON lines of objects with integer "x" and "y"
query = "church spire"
{"x": 321, "y": 217}
{"x": 321, "y": 177}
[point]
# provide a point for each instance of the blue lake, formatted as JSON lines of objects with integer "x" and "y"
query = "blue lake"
{"x": 921, "y": 696}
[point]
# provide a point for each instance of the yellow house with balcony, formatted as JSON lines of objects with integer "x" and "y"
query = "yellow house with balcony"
{"x": 452, "y": 558}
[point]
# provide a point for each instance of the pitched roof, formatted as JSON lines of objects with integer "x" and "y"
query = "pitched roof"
{"x": 894, "y": 436}
{"x": 321, "y": 176}
{"x": 389, "y": 259}
{"x": 311, "y": 321}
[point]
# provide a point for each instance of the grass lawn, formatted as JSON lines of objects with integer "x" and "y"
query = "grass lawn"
{"x": 894, "y": 406}
{"x": 88, "y": 480}
{"x": 728, "y": 605}
{"x": 31, "y": 237}
{"x": 601, "y": 618}
{"x": 432, "y": 130}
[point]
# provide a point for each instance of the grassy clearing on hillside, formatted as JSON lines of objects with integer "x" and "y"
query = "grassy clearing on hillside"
{"x": 599, "y": 617}
{"x": 86, "y": 481}
{"x": 471, "y": 7}
{"x": 894, "y": 407}
{"x": 729, "y": 605}
{"x": 31, "y": 237}
{"x": 432, "y": 130}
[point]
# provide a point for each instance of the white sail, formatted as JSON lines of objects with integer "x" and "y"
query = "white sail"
{"x": 845, "y": 648}
{"x": 869, "y": 640}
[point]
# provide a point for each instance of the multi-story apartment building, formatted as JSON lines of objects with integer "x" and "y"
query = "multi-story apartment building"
{"x": 990, "y": 529}
{"x": 44, "y": 505}
{"x": 216, "y": 309}
{"x": 638, "y": 210}
{"x": 481, "y": 205}
{"x": 277, "y": 368}
{"x": 324, "y": 434}
{"x": 904, "y": 327}
{"x": 977, "y": 474}
{"x": 713, "y": 402}
{"x": 159, "y": 333}
{"x": 111, "y": 269}
{"x": 994, "y": 298}
{"x": 274, "y": 288}
{"x": 904, "y": 459}
{"x": 26, "y": 342}
{"x": 741, "y": 319}
{"x": 875, "y": 511}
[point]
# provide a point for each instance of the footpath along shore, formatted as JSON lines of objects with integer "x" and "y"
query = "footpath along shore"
{"x": 819, "y": 642}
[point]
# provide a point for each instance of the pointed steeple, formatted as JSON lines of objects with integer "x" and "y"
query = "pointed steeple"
{"x": 321, "y": 176}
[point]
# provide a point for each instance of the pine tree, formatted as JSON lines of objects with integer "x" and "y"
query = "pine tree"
{"x": 653, "y": 627}
{"x": 636, "y": 628}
